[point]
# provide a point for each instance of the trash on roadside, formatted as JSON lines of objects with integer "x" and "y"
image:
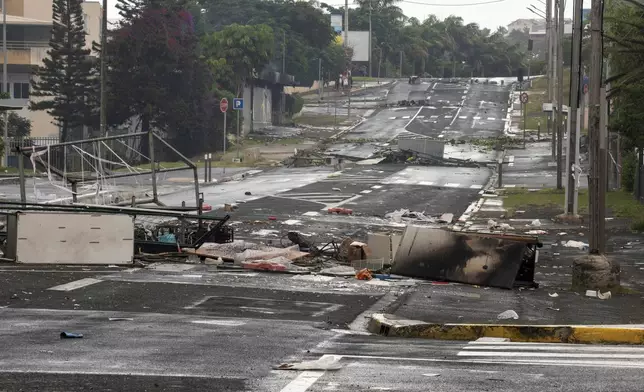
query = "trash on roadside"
{"x": 536, "y": 232}
{"x": 358, "y": 251}
{"x": 341, "y": 270}
{"x": 535, "y": 223}
{"x": 551, "y": 308}
{"x": 247, "y": 193}
{"x": 340, "y": 211}
{"x": 120, "y": 319}
{"x": 446, "y": 218}
{"x": 508, "y": 314}
{"x": 562, "y": 233}
{"x": 576, "y": 244}
{"x": 431, "y": 374}
{"x": 598, "y": 294}
{"x": 486, "y": 259}
{"x": 553, "y": 295}
{"x": 336, "y": 189}
{"x": 71, "y": 335}
{"x": 404, "y": 215}
{"x": 364, "y": 274}
{"x": 276, "y": 264}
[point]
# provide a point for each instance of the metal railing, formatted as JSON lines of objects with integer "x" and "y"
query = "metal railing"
{"x": 19, "y": 45}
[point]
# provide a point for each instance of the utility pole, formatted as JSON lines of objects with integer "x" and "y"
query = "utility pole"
{"x": 597, "y": 191}
{"x": 555, "y": 71}
{"x": 103, "y": 71}
{"x": 560, "y": 89}
{"x": 549, "y": 77}
{"x": 401, "y": 58}
{"x": 573, "y": 109}
{"x": 5, "y": 157}
{"x": 370, "y": 40}
{"x": 320, "y": 82}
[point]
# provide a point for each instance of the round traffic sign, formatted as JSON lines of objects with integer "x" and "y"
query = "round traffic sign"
{"x": 524, "y": 97}
{"x": 223, "y": 105}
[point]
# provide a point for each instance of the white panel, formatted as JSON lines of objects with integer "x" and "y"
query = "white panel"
{"x": 359, "y": 42}
{"x": 74, "y": 238}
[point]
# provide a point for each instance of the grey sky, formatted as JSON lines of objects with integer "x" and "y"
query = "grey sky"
{"x": 486, "y": 15}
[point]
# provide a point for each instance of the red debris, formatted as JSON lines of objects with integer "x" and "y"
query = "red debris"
{"x": 206, "y": 207}
{"x": 272, "y": 217}
{"x": 341, "y": 211}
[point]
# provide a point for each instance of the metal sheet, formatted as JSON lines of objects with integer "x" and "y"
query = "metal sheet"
{"x": 459, "y": 257}
{"x": 73, "y": 238}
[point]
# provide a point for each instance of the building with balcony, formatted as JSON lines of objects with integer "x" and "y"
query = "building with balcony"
{"x": 29, "y": 24}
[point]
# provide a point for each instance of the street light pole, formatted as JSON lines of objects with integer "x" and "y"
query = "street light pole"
{"x": 370, "y": 40}
{"x": 549, "y": 78}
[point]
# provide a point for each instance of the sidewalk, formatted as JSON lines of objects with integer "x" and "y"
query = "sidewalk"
{"x": 330, "y": 92}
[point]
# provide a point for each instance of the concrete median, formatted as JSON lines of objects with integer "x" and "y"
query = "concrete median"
{"x": 392, "y": 326}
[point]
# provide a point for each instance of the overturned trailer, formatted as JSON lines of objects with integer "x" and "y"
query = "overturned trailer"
{"x": 486, "y": 259}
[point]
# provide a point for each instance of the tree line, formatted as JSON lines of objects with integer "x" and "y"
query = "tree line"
{"x": 169, "y": 62}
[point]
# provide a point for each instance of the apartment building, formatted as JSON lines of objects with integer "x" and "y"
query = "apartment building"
{"x": 29, "y": 24}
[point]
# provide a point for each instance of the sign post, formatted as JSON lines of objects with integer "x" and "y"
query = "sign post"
{"x": 223, "y": 106}
{"x": 524, "y": 101}
{"x": 238, "y": 105}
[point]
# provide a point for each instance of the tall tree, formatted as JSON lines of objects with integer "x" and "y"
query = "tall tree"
{"x": 61, "y": 83}
{"x": 156, "y": 75}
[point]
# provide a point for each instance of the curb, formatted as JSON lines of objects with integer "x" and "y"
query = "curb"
{"x": 391, "y": 326}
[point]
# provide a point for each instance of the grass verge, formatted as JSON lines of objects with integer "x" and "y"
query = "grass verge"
{"x": 621, "y": 204}
{"x": 538, "y": 94}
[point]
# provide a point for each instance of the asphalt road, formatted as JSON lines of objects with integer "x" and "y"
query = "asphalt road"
{"x": 188, "y": 327}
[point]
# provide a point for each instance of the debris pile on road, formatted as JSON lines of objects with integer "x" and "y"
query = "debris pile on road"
{"x": 416, "y": 158}
{"x": 404, "y": 215}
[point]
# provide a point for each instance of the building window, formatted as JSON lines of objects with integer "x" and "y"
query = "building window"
{"x": 21, "y": 90}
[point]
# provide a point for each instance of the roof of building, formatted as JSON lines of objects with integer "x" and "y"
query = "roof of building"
{"x": 19, "y": 20}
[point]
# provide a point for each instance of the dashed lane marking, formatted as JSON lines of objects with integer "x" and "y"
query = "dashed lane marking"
{"x": 452, "y": 185}
{"x": 476, "y": 186}
{"x": 77, "y": 284}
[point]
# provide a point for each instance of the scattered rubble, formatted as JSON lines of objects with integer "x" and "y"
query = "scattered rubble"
{"x": 508, "y": 314}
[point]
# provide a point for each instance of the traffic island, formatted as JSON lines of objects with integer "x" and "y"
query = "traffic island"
{"x": 392, "y": 326}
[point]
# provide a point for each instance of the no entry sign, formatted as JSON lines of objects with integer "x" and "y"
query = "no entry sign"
{"x": 223, "y": 105}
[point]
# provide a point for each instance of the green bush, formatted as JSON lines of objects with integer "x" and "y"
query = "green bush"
{"x": 294, "y": 104}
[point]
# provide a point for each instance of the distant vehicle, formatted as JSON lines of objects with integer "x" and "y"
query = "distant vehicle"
{"x": 494, "y": 82}
{"x": 414, "y": 79}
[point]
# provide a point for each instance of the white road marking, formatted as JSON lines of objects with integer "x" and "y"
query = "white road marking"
{"x": 476, "y": 186}
{"x": 223, "y": 323}
{"x": 491, "y": 118}
{"x": 376, "y": 186}
{"x": 428, "y": 183}
{"x": 477, "y": 118}
{"x": 420, "y": 116}
{"x": 510, "y": 185}
{"x": 413, "y": 118}
{"x": 451, "y": 185}
{"x": 441, "y": 135}
{"x": 448, "y": 116}
{"x": 366, "y": 191}
{"x": 392, "y": 118}
{"x": 433, "y": 116}
{"x": 303, "y": 381}
{"x": 511, "y": 164}
{"x": 406, "y": 117}
{"x": 513, "y": 354}
{"x": 191, "y": 276}
{"x": 511, "y": 158}
{"x": 400, "y": 182}
{"x": 434, "y": 86}
{"x": 463, "y": 117}
{"x": 77, "y": 284}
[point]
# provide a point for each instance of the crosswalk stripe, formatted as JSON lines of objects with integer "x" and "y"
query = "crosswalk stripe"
{"x": 476, "y": 186}
{"x": 451, "y": 185}
{"x": 553, "y": 354}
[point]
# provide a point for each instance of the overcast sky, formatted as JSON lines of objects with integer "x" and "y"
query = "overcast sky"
{"x": 491, "y": 15}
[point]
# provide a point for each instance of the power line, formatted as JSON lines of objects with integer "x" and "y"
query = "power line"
{"x": 442, "y": 5}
